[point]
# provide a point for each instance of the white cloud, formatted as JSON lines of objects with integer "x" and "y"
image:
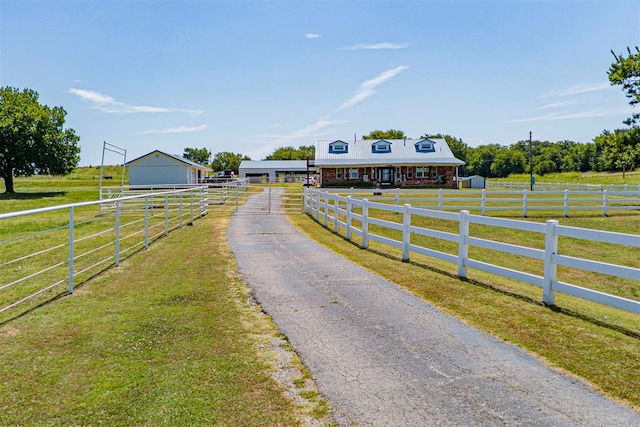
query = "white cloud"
{"x": 301, "y": 136}
{"x": 576, "y": 90}
{"x": 368, "y": 87}
{"x": 108, "y": 104}
{"x": 577, "y": 115}
{"x": 312, "y": 35}
{"x": 175, "y": 129}
{"x": 377, "y": 46}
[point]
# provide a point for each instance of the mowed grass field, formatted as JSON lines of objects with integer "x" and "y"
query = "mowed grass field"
{"x": 152, "y": 342}
{"x": 170, "y": 337}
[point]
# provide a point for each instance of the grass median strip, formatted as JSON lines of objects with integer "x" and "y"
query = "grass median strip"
{"x": 167, "y": 338}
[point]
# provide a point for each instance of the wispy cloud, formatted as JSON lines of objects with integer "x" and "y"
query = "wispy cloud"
{"x": 175, "y": 129}
{"x": 312, "y": 35}
{"x": 376, "y": 46}
{"x": 108, "y": 104}
{"x": 577, "y": 115}
{"x": 577, "y": 90}
{"x": 368, "y": 87}
{"x": 314, "y": 130}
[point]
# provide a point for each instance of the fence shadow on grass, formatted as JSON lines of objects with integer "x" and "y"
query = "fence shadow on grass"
{"x": 31, "y": 196}
{"x": 494, "y": 288}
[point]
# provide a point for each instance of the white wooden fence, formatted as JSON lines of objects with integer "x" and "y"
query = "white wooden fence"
{"x": 524, "y": 201}
{"x": 54, "y": 246}
{"x": 343, "y": 212}
{"x": 557, "y": 186}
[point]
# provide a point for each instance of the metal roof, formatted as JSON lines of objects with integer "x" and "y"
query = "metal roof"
{"x": 173, "y": 156}
{"x": 403, "y": 152}
{"x": 281, "y": 165}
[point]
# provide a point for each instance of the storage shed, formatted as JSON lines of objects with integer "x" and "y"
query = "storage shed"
{"x": 158, "y": 168}
{"x": 475, "y": 181}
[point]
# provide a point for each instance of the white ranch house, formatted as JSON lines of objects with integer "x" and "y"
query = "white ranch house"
{"x": 158, "y": 168}
{"x": 387, "y": 162}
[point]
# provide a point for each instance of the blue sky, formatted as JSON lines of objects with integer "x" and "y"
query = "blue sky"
{"x": 251, "y": 76}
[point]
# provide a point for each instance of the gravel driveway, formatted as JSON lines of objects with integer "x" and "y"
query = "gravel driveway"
{"x": 383, "y": 357}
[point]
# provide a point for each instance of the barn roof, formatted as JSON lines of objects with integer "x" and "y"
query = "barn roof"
{"x": 173, "y": 156}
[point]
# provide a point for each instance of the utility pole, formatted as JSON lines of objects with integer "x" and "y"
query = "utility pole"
{"x": 530, "y": 161}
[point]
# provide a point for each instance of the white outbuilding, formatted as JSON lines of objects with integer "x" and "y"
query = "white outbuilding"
{"x": 274, "y": 170}
{"x": 158, "y": 168}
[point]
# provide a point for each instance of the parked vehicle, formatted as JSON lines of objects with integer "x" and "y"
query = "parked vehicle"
{"x": 310, "y": 181}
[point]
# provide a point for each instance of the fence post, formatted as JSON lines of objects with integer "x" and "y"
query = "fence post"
{"x": 365, "y": 223}
{"x": 484, "y": 201}
{"x": 550, "y": 267}
{"x": 336, "y": 215}
{"x": 181, "y": 209}
{"x": 406, "y": 232}
{"x": 348, "y": 220}
{"x": 463, "y": 247}
{"x": 326, "y": 212}
{"x": 440, "y": 199}
{"x": 525, "y": 212}
{"x": 397, "y": 197}
{"x": 146, "y": 222}
{"x": 71, "y": 244}
{"x": 566, "y": 203}
{"x": 116, "y": 258}
{"x": 318, "y": 195}
{"x": 201, "y": 196}
{"x": 605, "y": 202}
{"x": 166, "y": 214}
{"x": 305, "y": 198}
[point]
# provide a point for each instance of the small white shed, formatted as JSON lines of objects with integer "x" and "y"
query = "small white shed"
{"x": 158, "y": 168}
{"x": 475, "y": 181}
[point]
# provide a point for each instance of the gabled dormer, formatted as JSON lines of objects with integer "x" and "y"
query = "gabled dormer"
{"x": 425, "y": 146}
{"x": 338, "y": 147}
{"x": 381, "y": 146}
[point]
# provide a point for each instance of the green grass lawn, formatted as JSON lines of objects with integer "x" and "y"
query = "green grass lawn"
{"x": 160, "y": 340}
{"x": 172, "y": 341}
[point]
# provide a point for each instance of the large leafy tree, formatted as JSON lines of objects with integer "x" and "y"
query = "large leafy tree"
{"x": 197, "y": 155}
{"x": 625, "y": 71}
{"x": 386, "y": 134}
{"x": 290, "y": 153}
{"x": 620, "y": 149}
{"x": 227, "y": 161}
{"x": 33, "y": 139}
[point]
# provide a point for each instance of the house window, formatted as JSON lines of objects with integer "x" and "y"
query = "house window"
{"x": 423, "y": 146}
{"x": 338, "y": 147}
{"x": 353, "y": 173}
{"x": 339, "y": 173}
{"x": 381, "y": 146}
{"x": 434, "y": 173}
{"x": 422, "y": 172}
{"x": 409, "y": 173}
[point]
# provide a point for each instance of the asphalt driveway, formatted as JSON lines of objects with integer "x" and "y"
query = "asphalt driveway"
{"x": 383, "y": 357}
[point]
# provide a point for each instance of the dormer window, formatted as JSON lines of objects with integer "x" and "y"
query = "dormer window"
{"x": 381, "y": 146}
{"x": 425, "y": 146}
{"x": 338, "y": 147}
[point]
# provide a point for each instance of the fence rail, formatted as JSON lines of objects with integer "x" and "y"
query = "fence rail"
{"x": 45, "y": 251}
{"x": 345, "y": 213}
{"x": 557, "y": 186}
{"x": 524, "y": 201}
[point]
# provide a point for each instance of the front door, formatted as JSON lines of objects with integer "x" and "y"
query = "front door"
{"x": 385, "y": 175}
